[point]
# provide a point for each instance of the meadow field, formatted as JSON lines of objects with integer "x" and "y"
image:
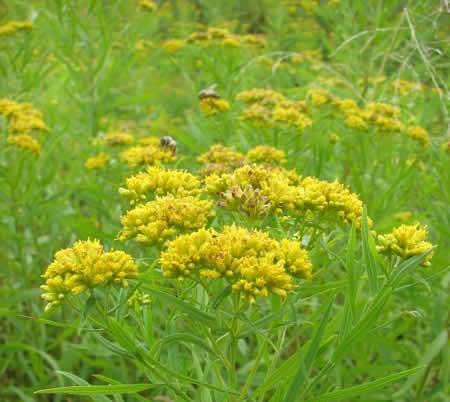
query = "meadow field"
{"x": 224, "y": 200}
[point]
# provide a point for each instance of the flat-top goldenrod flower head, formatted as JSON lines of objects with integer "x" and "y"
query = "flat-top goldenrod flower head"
{"x": 220, "y": 159}
{"x": 384, "y": 109}
{"x": 291, "y": 115}
{"x": 84, "y": 266}
{"x": 404, "y": 87}
{"x": 346, "y": 105}
{"x": 272, "y": 186}
{"x": 261, "y": 95}
{"x": 98, "y": 161}
{"x": 25, "y": 141}
{"x": 14, "y": 26}
{"x": 261, "y": 276}
{"x": 172, "y": 45}
{"x": 419, "y": 134}
{"x": 114, "y": 138}
{"x": 388, "y": 124}
{"x": 160, "y": 181}
{"x": 165, "y": 217}
{"x": 211, "y": 106}
{"x": 150, "y": 140}
{"x": 259, "y": 115}
{"x": 22, "y": 117}
{"x": 148, "y": 5}
{"x": 334, "y": 197}
{"x": 406, "y": 241}
{"x": 219, "y": 153}
{"x": 355, "y": 121}
{"x": 266, "y": 154}
{"x": 254, "y": 40}
{"x": 320, "y": 96}
{"x": 251, "y": 261}
{"x": 146, "y": 155}
{"x": 246, "y": 199}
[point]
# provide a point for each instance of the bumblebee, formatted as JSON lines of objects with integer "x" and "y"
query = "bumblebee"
{"x": 208, "y": 93}
{"x": 167, "y": 142}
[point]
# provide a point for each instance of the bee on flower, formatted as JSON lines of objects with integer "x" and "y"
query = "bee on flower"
{"x": 211, "y": 102}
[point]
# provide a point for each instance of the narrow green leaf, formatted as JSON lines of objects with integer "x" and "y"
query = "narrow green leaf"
{"x": 98, "y": 389}
{"x": 308, "y": 359}
{"x": 181, "y": 337}
{"x": 368, "y": 253}
{"x": 357, "y": 390}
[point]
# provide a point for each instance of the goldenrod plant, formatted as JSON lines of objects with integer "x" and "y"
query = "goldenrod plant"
{"x": 224, "y": 201}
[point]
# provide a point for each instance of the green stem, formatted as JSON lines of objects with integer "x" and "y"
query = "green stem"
{"x": 234, "y": 330}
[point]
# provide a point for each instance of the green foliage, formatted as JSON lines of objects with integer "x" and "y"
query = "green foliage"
{"x": 366, "y": 326}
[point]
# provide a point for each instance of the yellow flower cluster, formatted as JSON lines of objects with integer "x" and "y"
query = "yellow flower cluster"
{"x": 220, "y": 159}
{"x": 211, "y": 106}
{"x": 12, "y": 27}
{"x": 247, "y": 199}
{"x": 323, "y": 196}
{"x": 268, "y": 107}
{"x": 82, "y": 267}
{"x": 114, "y": 138}
{"x": 215, "y": 37}
{"x": 251, "y": 261}
{"x": 406, "y": 241}
{"x": 25, "y": 141}
{"x": 96, "y": 162}
{"x": 266, "y": 154}
{"x": 22, "y": 118}
{"x": 222, "y": 36}
{"x": 383, "y": 116}
{"x": 163, "y": 218}
{"x": 146, "y": 155}
{"x": 262, "y": 189}
{"x": 419, "y": 134}
{"x": 148, "y": 5}
{"x": 160, "y": 181}
{"x": 172, "y": 45}
{"x": 261, "y": 95}
{"x": 404, "y": 87}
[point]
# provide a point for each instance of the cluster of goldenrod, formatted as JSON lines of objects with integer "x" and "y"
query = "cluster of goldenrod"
{"x": 25, "y": 141}
{"x": 215, "y": 37}
{"x": 96, "y": 162}
{"x": 406, "y": 241}
{"x": 251, "y": 261}
{"x": 118, "y": 138}
{"x": 211, "y": 106}
{"x": 82, "y": 267}
{"x": 267, "y": 107}
{"x": 266, "y": 154}
{"x": 221, "y": 159}
{"x": 146, "y": 155}
{"x": 258, "y": 190}
{"x": 12, "y": 27}
{"x": 383, "y": 116}
{"x": 148, "y": 5}
{"x": 404, "y": 87}
{"x": 222, "y": 36}
{"x": 163, "y": 218}
{"x": 23, "y": 120}
{"x": 159, "y": 182}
